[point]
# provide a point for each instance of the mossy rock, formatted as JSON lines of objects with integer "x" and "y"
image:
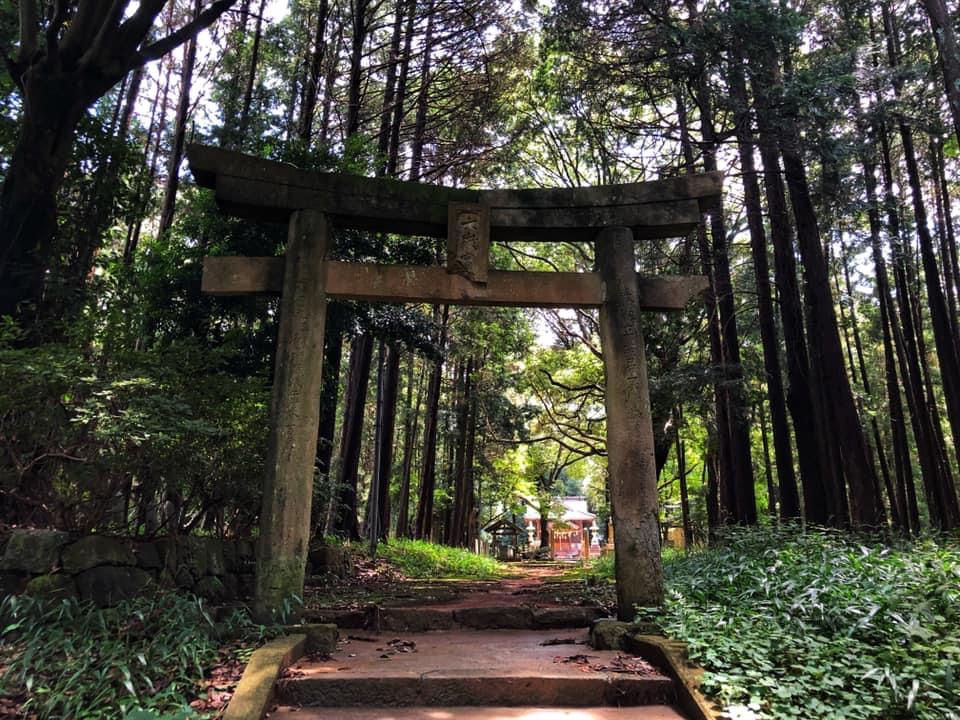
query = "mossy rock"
{"x": 94, "y": 551}
{"x": 35, "y": 552}
{"x": 57, "y": 586}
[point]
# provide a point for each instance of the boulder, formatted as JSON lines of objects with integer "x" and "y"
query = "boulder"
{"x": 33, "y": 551}
{"x": 56, "y": 586}
{"x": 108, "y": 584}
{"x": 94, "y": 551}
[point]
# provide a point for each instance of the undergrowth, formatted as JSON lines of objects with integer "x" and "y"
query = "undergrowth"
{"x": 141, "y": 659}
{"x": 820, "y": 625}
{"x": 419, "y": 559}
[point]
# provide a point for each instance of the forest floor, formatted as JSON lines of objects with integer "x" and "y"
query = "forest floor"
{"x": 379, "y": 583}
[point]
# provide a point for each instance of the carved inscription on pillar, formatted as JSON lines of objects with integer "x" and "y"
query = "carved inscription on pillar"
{"x": 468, "y": 240}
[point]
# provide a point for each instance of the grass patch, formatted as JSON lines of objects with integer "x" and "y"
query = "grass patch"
{"x": 820, "y": 625}
{"x": 141, "y": 659}
{"x": 419, "y": 559}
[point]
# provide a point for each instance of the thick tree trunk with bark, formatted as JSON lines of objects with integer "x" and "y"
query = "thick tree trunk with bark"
{"x": 789, "y": 505}
{"x": 60, "y": 73}
{"x": 816, "y": 468}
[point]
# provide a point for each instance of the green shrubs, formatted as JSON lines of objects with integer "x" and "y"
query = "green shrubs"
{"x": 820, "y": 625}
{"x": 142, "y": 658}
{"x": 419, "y": 559}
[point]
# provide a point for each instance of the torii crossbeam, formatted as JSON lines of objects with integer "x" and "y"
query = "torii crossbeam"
{"x": 311, "y": 202}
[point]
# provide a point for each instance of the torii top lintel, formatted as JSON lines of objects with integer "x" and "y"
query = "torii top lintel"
{"x": 268, "y": 190}
{"x": 469, "y": 219}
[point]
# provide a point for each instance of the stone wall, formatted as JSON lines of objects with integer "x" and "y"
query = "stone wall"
{"x": 106, "y": 570}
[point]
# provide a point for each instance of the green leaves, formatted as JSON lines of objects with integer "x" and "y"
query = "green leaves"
{"x": 139, "y": 660}
{"x": 819, "y": 624}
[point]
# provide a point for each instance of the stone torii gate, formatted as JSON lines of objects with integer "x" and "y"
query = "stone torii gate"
{"x": 311, "y": 202}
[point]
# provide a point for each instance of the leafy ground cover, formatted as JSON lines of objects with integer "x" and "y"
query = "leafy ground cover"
{"x": 143, "y": 659}
{"x": 419, "y": 559}
{"x": 820, "y": 625}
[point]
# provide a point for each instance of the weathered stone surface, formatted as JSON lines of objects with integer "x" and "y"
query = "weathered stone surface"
{"x": 93, "y": 551}
{"x": 285, "y": 529}
{"x": 607, "y": 634}
{"x": 415, "y": 283}
{"x": 321, "y": 637}
{"x": 415, "y": 619}
{"x": 251, "y": 699}
{"x": 350, "y": 619}
{"x": 331, "y": 560}
{"x": 55, "y": 586}
{"x": 485, "y": 618}
{"x": 108, "y": 585}
{"x": 211, "y": 588}
{"x": 565, "y": 617}
{"x": 33, "y": 551}
{"x": 148, "y": 557}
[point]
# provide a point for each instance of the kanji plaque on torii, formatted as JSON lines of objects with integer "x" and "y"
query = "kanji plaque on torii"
{"x": 612, "y": 216}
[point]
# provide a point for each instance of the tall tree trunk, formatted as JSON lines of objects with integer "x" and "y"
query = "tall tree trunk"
{"x": 789, "y": 498}
{"x": 358, "y": 34}
{"x": 682, "y": 475}
{"x": 393, "y": 147}
{"x": 925, "y": 417}
{"x": 308, "y": 107}
{"x": 813, "y": 455}
{"x": 739, "y": 416}
{"x": 428, "y": 473}
{"x": 726, "y": 497}
{"x": 358, "y": 378}
{"x": 411, "y": 426}
{"x": 329, "y": 396}
{"x": 946, "y": 496}
{"x": 243, "y": 124}
{"x": 390, "y": 89}
{"x": 378, "y": 507}
{"x": 462, "y": 493}
{"x": 946, "y": 39}
{"x": 423, "y": 97}
{"x": 172, "y": 184}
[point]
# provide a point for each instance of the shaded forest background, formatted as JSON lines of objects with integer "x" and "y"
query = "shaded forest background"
{"x": 819, "y": 378}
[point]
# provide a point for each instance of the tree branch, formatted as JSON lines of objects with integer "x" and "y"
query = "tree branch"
{"x": 201, "y": 22}
{"x": 29, "y": 26}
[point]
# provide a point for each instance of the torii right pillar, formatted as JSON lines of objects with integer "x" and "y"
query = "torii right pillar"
{"x": 630, "y": 448}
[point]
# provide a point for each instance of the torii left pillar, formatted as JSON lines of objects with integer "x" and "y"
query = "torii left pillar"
{"x": 294, "y": 416}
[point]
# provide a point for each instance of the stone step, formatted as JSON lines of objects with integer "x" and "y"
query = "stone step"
{"x": 497, "y": 668}
{"x": 489, "y": 617}
{"x": 649, "y": 712}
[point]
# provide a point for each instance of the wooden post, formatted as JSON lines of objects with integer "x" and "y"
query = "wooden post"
{"x": 630, "y": 447}
{"x": 294, "y": 416}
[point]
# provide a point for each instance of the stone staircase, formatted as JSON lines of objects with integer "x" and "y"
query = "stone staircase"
{"x": 493, "y": 673}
